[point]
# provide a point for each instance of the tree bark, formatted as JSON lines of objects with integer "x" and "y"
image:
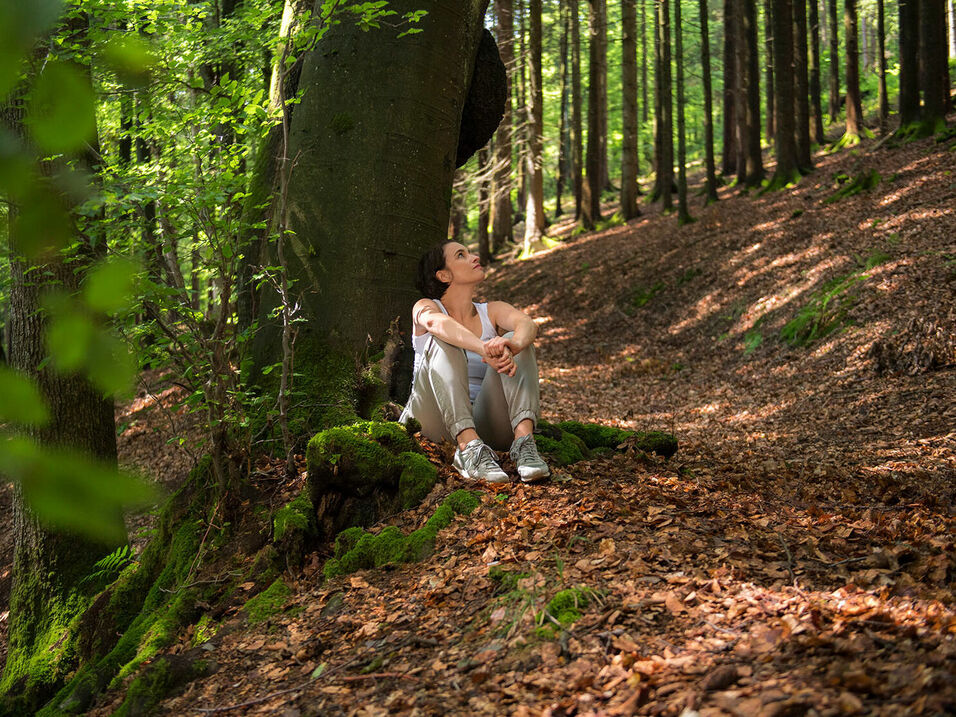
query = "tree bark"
{"x": 801, "y": 86}
{"x": 371, "y": 186}
{"x": 501, "y": 231}
{"x": 729, "y": 154}
{"x": 644, "y": 111}
{"x": 591, "y": 196}
{"x": 854, "y": 108}
{"x": 909, "y": 63}
{"x": 564, "y": 130}
{"x": 816, "y": 107}
{"x": 602, "y": 93}
{"x": 768, "y": 43}
{"x": 629, "y": 160}
{"x": 666, "y": 170}
{"x": 534, "y": 208}
{"x": 834, "y": 75}
{"x": 48, "y": 564}
{"x": 934, "y": 81}
{"x": 683, "y": 216}
{"x": 577, "y": 151}
{"x": 754, "y": 166}
{"x": 787, "y": 170}
{"x": 484, "y": 205}
{"x": 711, "y": 186}
{"x": 881, "y": 65}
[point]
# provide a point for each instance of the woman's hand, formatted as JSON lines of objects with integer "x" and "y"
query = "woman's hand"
{"x": 500, "y": 344}
{"x": 498, "y": 355}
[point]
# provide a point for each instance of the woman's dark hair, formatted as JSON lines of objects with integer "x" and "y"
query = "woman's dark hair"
{"x": 426, "y": 282}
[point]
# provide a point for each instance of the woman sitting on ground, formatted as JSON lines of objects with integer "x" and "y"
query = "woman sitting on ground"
{"x": 454, "y": 397}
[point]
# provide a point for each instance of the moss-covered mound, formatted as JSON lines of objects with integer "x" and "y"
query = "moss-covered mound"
{"x": 357, "y": 549}
{"x": 565, "y": 608}
{"x": 293, "y": 526}
{"x": 359, "y": 473}
{"x": 571, "y": 441}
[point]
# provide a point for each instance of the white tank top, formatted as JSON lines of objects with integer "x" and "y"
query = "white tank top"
{"x": 476, "y": 367}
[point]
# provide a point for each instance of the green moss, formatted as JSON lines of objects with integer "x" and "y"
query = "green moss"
{"x": 506, "y": 581}
{"x": 566, "y": 607}
{"x": 205, "y": 630}
{"x": 863, "y": 182}
{"x": 416, "y": 480}
{"x": 296, "y": 516}
{"x": 343, "y": 459}
{"x": 267, "y": 603}
{"x": 663, "y": 444}
{"x": 564, "y": 450}
{"x": 356, "y": 549}
{"x": 159, "y": 681}
{"x": 595, "y": 435}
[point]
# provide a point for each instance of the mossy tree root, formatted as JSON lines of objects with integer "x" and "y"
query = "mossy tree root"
{"x": 361, "y": 472}
{"x": 356, "y": 549}
{"x": 572, "y": 441}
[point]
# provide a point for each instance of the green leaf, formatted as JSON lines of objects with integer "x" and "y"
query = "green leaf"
{"x": 109, "y": 287}
{"x": 21, "y": 402}
{"x": 69, "y": 338}
{"x": 60, "y": 113}
{"x": 130, "y": 57}
{"x": 20, "y": 22}
{"x": 111, "y": 367}
{"x": 69, "y": 490}
{"x": 42, "y": 225}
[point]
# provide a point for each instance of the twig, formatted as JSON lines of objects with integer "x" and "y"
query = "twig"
{"x": 256, "y": 701}
{"x": 786, "y": 549}
{"x": 374, "y": 675}
{"x": 724, "y": 629}
{"x": 839, "y": 562}
{"x": 214, "y": 581}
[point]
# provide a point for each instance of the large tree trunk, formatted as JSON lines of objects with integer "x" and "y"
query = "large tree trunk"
{"x": 854, "y": 107}
{"x": 711, "y": 188}
{"x": 801, "y": 86}
{"x": 729, "y": 154}
{"x": 564, "y": 129}
{"x": 934, "y": 80}
{"x": 370, "y": 188}
{"x": 484, "y": 204}
{"x": 501, "y": 231}
{"x": 834, "y": 74}
{"x": 629, "y": 160}
{"x": 816, "y": 107}
{"x": 591, "y": 197}
{"x": 909, "y": 63}
{"x": 602, "y": 94}
{"x": 49, "y": 565}
{"x": 534, "y": 208}
{"x": 786, "y": 171}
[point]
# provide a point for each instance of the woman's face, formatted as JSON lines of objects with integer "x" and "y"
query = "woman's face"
{"x": 461, "y": 266}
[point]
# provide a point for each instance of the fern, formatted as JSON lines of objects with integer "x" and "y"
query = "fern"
{"x": 109, "y": 567}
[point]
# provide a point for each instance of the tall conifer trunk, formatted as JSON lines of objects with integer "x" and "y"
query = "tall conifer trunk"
{"x": 909, "y": 63}
{"x": 854, "y": 107}
{"x": 534, "y": 207}
{"x": 629, "y": 208}
{"x": 501, "y": 231}
{"x": 577, "y": 143}
{"x": 683, "y": 216}
{"x": 711, "y": 186}
{"x": 881, "y": 65}
{"x": 786, "y": 147}
{"x": 591, "y": 196}
{"x": 801, "y": 85}
{"x": 768, "y": 44}
{"x": 666, "y": 170}
{"x": 729, "y": 148}
{"x": 816, "y": 107}
{"x": 934, "y": 80}
{"x": 834, "y": 66}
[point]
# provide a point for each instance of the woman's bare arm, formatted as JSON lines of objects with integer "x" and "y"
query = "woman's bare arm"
{"x": 429, "y": 317}
{"x": 507, "y": 317}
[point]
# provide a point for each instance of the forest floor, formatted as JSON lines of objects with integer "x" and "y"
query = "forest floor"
{"x": 795, "y": 557}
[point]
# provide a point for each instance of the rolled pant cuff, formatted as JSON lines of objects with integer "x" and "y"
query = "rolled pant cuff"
{"x": 462, "y": 425}
{"x": 521, "y": 415}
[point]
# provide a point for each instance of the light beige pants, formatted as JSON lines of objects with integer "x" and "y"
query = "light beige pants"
{"x": 440, "y": 400}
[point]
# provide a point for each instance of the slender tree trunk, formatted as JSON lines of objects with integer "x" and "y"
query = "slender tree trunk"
{"x": 881, "y": 65}
{"x": 534, "y": 209}
{"x": 564, "y": 132}
{"x": 629, "y": 165}
{"x": 909, "y": 63}
{"x": 577, "y": 145}
{"x": 658, "y": 107}
{"x": 501, "y": 230}
{"x": 644, "y": 111}
{"x": 602, "y": 93}
{"x": 711, "y": 186}
{"x": 951, "y": 21}
{"x": 522, "y": 104}
{"x": 801, "y": 86}
{"x": 591, "y": 196}
{"x": 934, "y": 81}
{"x": 854, "y": 108}
{"x": 834, "y": 75}
{"x": 683, "y": 216}
{"x": 729, "y": 154}
{"x": 484, "y": 204}
{"x": 816, "y": 107}
{"x": 787, "y": 170}
{"x": 768, "y": 43}
{"x": 667, "y": 109}
{"x": 741, "y": 90}
{"x": 754, "y": 167}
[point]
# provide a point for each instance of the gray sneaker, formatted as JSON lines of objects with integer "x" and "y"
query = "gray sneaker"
{"x": 477, "y": 461}
{"x": 531, "y": 466}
